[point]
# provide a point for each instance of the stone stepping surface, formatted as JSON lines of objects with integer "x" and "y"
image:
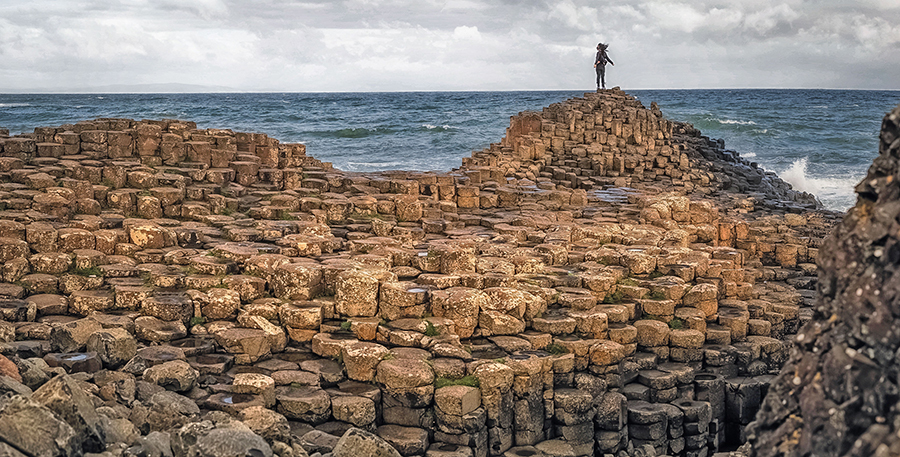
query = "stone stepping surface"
{"x": 601, "y": 280}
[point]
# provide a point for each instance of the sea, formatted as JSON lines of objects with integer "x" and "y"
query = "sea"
{"x": 820, "y": 141}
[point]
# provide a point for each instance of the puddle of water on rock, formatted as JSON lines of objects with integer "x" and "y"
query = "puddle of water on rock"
{"x": 614, "y": 194}
{"x": 75, "y": 357}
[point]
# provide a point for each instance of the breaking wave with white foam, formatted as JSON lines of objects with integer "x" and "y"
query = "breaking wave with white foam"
{"x": 440, "y": 128}
{"x": 734, "y": 122}
{"x": 833, "y": 191}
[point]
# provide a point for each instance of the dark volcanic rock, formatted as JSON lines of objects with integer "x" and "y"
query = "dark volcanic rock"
{"x": 838, "y": 394}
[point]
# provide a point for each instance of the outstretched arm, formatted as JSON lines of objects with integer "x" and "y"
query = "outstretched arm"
{"x": 610, "y": 61}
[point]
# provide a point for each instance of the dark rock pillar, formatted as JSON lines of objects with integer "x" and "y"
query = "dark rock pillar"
{"x": 838, "y": 393}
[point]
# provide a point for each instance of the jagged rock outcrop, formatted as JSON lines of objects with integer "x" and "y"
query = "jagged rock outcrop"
{"x": 838, "y": 395}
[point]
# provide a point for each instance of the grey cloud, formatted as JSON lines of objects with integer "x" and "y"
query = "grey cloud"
{"x": 449, "y": 44}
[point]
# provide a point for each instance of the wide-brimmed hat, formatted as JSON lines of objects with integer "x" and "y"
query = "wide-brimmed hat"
{"x": 602, "y": 46}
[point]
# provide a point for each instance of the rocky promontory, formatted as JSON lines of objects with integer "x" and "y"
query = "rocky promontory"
{"x": 602, "y": 281}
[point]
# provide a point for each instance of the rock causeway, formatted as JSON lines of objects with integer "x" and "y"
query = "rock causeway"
{"x": 603, "y": 281}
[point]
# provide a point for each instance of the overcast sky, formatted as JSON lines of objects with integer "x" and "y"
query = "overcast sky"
{"x": 390, "y": 45}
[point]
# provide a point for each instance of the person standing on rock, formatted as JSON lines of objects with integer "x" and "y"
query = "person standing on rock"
{"x": 600, "y": 65}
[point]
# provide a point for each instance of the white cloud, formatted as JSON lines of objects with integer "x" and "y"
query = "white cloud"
{"x": 206, "y": 9}
{"x": 675, "y": 16}
{"x": 724, "y": 19}
{"x": 579, "y": 17}
{"x": 764, "y": 21}
{"x": 467, "y": 33}
{"x": 463, "y": 5}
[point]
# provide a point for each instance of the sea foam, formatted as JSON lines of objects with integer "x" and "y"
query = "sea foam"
{"x": 734, "y": 122}
{"x": 439, "y": 127}
{"x": 834, "y": 192}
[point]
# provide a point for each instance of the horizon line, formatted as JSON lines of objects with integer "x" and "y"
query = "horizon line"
{"x": 79, "y": 92}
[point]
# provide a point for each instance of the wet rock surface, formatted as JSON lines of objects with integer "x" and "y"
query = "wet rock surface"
{"x": 841, "y": 380}
{"x": 602, "y": 281}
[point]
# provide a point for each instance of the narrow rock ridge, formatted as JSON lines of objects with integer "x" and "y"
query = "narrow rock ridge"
{"x": 609, "y": 139}
{"x": 838, "y": 395}
{"x": 603, "y": 281}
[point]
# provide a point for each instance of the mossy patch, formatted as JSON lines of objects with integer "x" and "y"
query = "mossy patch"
{"x": 92, "y": 271}
{"x": 556, "y": 349}
{"x": 657, "y": 295}
{"x": 286, "y": 216}
{"x": 430, "y": 329}
{"x": 613, "y": 298}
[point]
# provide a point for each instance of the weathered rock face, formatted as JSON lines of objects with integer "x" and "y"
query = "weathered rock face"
{"x": 357, "y": 442}
{"x": 64, "y": 397}
{"x": 838, "y": 393}
{"x": 34, "y": 428}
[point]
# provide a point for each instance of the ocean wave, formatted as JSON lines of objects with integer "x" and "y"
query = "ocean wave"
{"x": 835, "y": 193}
{"x": 439, "y": 128}
{"x": 733, "y": 122}
{"x": 365, "y": 166}
{"x": 357, "y": 132}
{"x": 748, "y": 155}
{"x": 13, "y": 105}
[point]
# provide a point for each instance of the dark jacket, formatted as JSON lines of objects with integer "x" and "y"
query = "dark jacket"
{"x": 602, "y": 58}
